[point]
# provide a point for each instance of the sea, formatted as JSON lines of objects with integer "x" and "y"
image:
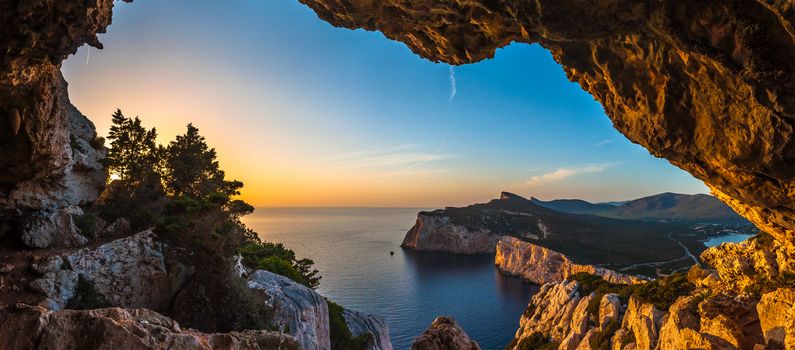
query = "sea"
{"x": 357, "y": 251}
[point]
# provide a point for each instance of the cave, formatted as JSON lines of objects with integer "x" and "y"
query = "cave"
{"x": 707, "y": 85}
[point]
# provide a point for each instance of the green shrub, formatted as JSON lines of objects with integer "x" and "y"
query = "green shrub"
{"x": 276, "y": 258}
{"x": 589, "y": 283}
{"x": 87, "y": 224}
{"x": 663, "y": 292}
{"x": 86, "y": 296}
{"x": 341, "y": 337}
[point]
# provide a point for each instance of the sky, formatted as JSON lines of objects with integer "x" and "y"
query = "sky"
{"x": 306, "y": 114}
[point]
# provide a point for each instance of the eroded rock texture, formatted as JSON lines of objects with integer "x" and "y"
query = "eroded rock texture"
{"x": 48, "y": 158}
{"x": 707, "y": 85}
{"x": 28, "y": 327}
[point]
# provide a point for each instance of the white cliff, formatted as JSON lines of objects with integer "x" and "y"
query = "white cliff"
{"x": 541, "y": 265}
{"x": 359, "y": 323}
{"x": 435, "y": 232}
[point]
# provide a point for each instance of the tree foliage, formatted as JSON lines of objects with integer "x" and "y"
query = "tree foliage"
{"x": 133, "y": 151}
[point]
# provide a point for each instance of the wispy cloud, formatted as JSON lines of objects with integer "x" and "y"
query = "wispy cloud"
{"x": 453, "y": 87}
{"x": 562, "y": 173}
{"x": 603, "y": 142}
{"x": 402, "y": 158}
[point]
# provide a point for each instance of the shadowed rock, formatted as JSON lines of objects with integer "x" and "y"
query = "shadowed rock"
{"x": 444, "y": 334}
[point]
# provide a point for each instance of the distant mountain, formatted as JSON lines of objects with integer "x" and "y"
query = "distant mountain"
{"x": 575, "y": 206}
{"x": 667, "y": 206}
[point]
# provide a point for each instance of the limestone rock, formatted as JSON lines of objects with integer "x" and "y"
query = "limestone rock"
{"x": 776, "y": 311}
{"x": 298, "y": 310}
{"x": 118, "y": 228}
{"x": 645, "y": 321}
{"x": 53, "y": 229}
{"x": 578, "y": 327}
{"x": 437, "y": 233}
{"x": 541, "y": 265}
{"x": 129, "y": 272}
{"x": 444, "y": 334}
{"x": 359, "y": 323}
{"x": 29, "y": 327}
{"x": 609, "y": 309}
{"x": 550, "y": 311}
{"x": 741, "y": 267}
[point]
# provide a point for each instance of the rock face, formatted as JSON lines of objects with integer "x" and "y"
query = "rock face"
{"x": 298, "y": 310}
{"x": 706, "y": 85}
{"x": 444, "y": 334}
{"x": 436, "y": 233}
{"x": 541, "y": 265}
{"x": 29, "y": 327}
{"x": 53, "y": 229}
{"x": 359, "y": 323}
{"x": 129, "y": 272}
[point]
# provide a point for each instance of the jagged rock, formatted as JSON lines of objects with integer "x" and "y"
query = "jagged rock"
{"x": 645, "y": 321}
{"x": 776, "y": 310}
{"x": 437, "y": 233}
{"x": 53, "y": 229}
{"x": 579, "y": 325}
{"x": 585, "y": 344}
{"x": 444, "y": 334}
{"x": 609, "y": 309}
{"x": 298, "y": 310}
{"x": 128, "y": 272}
{"x": 671, "y": 75}
{"x": 28, "y": 327}
{"x": 359, "y": 323}
{"x": 742, "y": 267}
{"x": 550, "y": 311}
{"x": 52, "y": 263}
{"x": 681, "y": 329}
{"x": 541, "y": 265}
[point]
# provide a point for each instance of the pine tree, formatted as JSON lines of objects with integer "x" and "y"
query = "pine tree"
{"x": 190, "y": 168}
{"x": 133, "y": 152}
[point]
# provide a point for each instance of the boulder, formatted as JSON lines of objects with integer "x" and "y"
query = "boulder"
{"x": 645, "y": 321}
{"x": 609, "y": 309}
{"x": 128, "y": 272}
{"x": 298, "y": 310}
{"x": 444, "y": 334}
{"x": 56, "y": 229}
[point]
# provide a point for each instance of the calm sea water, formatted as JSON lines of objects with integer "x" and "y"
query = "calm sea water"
{"x": 351, "y": 249}
{"x": 733, "y": 238}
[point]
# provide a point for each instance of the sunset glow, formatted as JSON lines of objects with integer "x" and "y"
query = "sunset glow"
{"x": 310, "y": 115}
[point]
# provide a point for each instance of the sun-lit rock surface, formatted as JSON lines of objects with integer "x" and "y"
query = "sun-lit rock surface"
{"x": 30, "y": 327}
{"x": 444, "y": 334}
{"x": 541, "y": 265}
{"x": 706, "y": 85}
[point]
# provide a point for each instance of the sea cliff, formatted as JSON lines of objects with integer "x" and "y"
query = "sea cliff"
{"x": 435, "y": 232}
{"x": 541, "y": 265}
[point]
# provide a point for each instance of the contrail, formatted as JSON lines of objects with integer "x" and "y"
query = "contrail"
{"x": 453, "y": 89}
{"x": 88, "y": 54}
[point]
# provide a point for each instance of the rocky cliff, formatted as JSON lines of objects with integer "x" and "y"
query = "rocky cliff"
{"x": 359, "y": 323}
{"x": 434, "y": 232}
{"x": 541, "y": 265}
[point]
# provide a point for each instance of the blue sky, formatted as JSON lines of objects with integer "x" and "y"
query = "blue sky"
{"x": 311, "y": 115}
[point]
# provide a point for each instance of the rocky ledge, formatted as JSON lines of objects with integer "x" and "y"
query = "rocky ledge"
{"x": 31, "y": 327}
{"x": 434, "y": 232}
{"x": 541, "y": 265}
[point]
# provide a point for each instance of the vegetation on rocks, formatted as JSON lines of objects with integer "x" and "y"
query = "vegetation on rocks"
{"x": 661, "y": 292}
{"x": 536, "y": 341}
{"x": 181, "y": 190}
{"x": 341, "y": 337}
{"x": 86, "y": 296}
